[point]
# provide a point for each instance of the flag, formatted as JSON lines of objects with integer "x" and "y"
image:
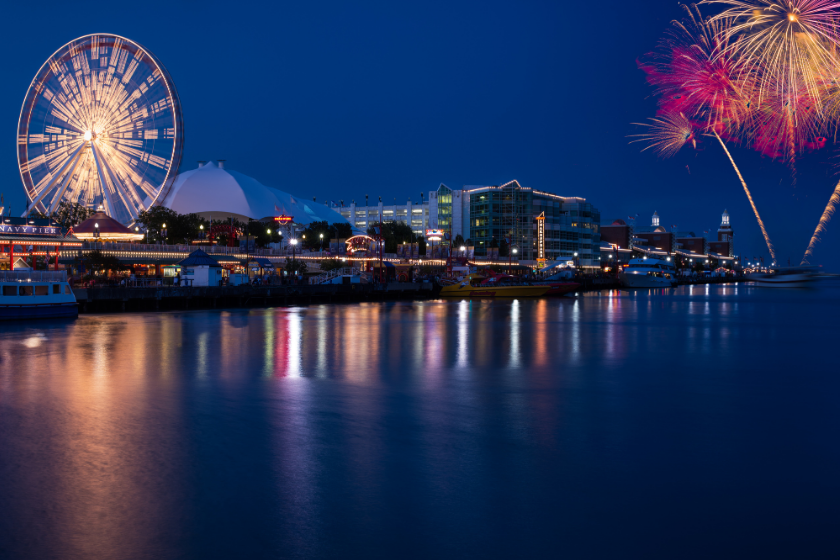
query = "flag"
{"x": 705, "y": 231}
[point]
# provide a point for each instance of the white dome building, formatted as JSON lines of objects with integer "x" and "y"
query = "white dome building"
{"x": 217, "y": 193}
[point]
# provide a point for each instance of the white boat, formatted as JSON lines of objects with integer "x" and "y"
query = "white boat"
{"x": 786, "y": 277}
{"x": 649, "y": 273}
{"x": 35, "y": 295}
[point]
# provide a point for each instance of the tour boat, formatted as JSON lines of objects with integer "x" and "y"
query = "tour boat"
{"x": 786, "y": 277}
{"x": 476, "y": 285}
{"x": 35, "y": 295}
{"x": 649, "y": 273}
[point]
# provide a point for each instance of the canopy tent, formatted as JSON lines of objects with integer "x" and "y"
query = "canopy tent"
{"x": 200, "y": 258}
{"x": 102, "y": 227}
{"x": 218, "y": 193}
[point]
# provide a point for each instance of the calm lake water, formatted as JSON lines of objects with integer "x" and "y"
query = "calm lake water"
{"x": 691, "y": 423}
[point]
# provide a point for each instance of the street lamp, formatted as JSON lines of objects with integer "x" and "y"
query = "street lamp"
{"x": 96, "y": 230}
{"x": 322, "y": 242}
{"x": 163, "y": 231}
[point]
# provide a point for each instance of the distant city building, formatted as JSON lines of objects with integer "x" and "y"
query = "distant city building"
{"x": 618, "y": 233}
{"x": 656, "y": 236}
{"x": 509, "y": 211}
{"x": 415, "y": 214}
{"x": 724, "y": 244}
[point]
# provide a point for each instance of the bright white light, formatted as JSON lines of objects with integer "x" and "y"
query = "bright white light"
{"x": 293, "y": 241}
{"x": 515, "y": 251}
{"x": 463, "y": 248}
{"x": 96, "y": 225}
{"x": 88, "y": 135}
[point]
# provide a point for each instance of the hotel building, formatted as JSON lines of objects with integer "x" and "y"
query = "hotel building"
{"x": 508, "y": 211}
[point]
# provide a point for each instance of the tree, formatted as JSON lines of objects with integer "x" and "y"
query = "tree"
{"x": 69, "y": 214}
{"x": 311, "y": 238}
{"x": 97, "y": 261}
{"x": 295, "y": 266}
{"x": 394, "y": 233}
{"x": 459, "y": 242}
{"x": 330, "y": 264}
{"x": 180, "y": 228}
{"x": 504, "y": 249}
{"x": 341, "y": 230}
{"x": 263, "y": 233}
{"x": 421, "y": 245}
{"x": 494, "y": 244}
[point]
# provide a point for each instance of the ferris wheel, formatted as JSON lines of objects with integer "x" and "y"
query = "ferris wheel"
{"x": 101, "y": 124}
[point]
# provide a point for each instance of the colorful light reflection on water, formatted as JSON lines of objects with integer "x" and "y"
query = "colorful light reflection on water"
{"x": 591, "y": 426}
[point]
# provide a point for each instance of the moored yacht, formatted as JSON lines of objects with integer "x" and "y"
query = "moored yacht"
{"x": 649, "y": 273}
{"x": 786, "y": 277}
{"x": 35, "y": 295}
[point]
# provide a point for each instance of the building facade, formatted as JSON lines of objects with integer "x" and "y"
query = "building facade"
{"x": 510, "y": 211}
{"x": 481, "y": 214}
{"x": 724, "y": 244}
{"x": 415, "y": 214}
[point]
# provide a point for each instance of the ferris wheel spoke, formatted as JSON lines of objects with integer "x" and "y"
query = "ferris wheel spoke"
{"x": 48, "y": 187}
{"x": 109, "y": 206}
{"x": 114, "y": 167}
{"x": 68, "y": 178}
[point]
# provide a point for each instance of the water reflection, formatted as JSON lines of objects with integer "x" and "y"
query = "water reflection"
{"x": 177, "y": 434}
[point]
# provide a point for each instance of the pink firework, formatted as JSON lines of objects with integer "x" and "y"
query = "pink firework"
{"x": 696, "y": 73}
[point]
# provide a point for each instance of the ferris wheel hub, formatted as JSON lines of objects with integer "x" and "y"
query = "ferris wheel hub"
{"x": 88, "y": 136}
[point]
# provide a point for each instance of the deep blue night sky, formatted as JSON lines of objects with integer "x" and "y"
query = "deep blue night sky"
{"x": 342, "y": 100}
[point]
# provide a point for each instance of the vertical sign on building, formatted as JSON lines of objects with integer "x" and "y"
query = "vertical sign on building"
{"x": 541, "y": 239}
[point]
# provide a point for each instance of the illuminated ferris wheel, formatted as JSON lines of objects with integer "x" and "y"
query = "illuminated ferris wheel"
{"x": 101, "y": 124}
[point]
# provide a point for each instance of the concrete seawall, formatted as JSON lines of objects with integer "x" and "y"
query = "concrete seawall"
{"x": 115, "y": 299}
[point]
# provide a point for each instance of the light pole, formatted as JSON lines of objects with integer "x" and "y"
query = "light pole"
{"x": 322, "y": 244}
{"x": 294, "y": 243}
{"x": 96, "y": 230}
{"x": 201, "y": 232}
{"x": 163, "y": 232}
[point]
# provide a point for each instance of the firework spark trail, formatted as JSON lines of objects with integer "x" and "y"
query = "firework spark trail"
{"x": 749, "y": 196}
{"x": 668, "y": 134}
{"x": 824, "y": 219}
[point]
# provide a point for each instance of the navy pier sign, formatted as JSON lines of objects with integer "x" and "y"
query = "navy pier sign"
{"x": 29, "y": 230}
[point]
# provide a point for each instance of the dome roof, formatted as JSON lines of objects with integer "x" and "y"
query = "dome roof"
{"x": 218, "y": 193}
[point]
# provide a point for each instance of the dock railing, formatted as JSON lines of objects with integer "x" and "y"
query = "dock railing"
{"x": 33, "y": 276}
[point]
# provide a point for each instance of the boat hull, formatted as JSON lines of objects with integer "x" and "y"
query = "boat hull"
{"x": 42, "y": 311}
{"x": 560, "y": 288}
{"x": 784, "y": 281}
{"x": 457, "y": 290}
{"x": 645, "y": 281}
